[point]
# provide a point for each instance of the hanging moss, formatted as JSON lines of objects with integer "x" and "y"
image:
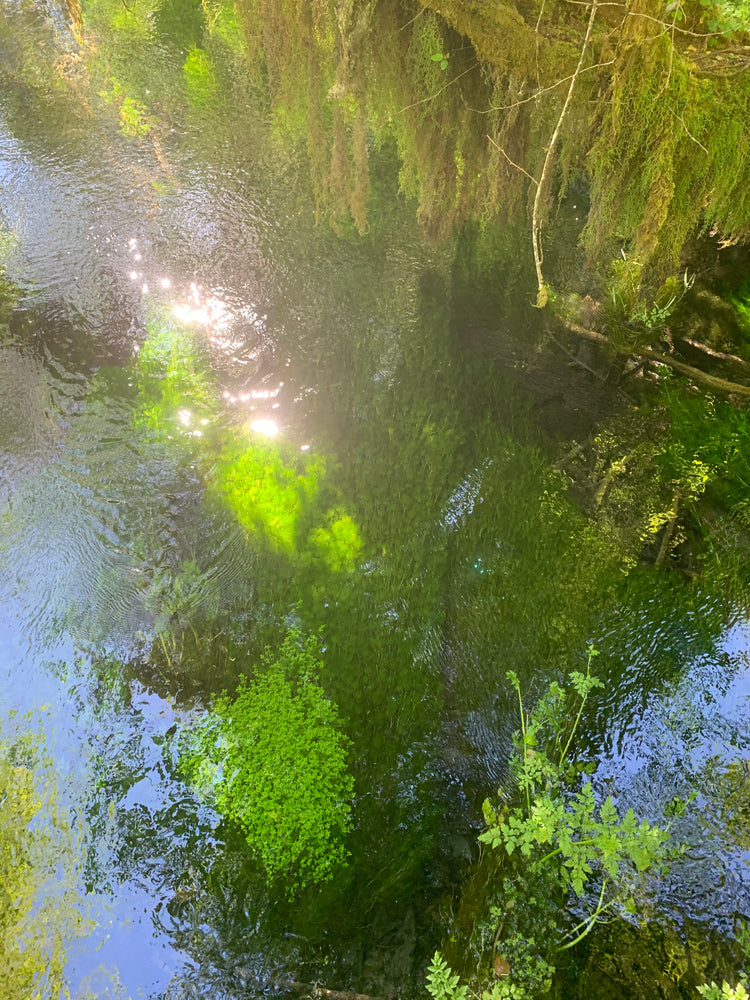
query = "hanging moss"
{"x": 470, "y": 93}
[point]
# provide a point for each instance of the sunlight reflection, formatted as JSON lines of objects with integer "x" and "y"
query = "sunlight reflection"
{"x": 224, "y": 320}
{"x": 268, "y": 427}
{"x": 211, "y": 312}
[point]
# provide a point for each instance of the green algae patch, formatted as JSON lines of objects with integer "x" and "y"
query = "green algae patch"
{"x": 269, "y": 489}
{"x": 282, "y": 499}
{"x": 200, "y": 78}
{"x": 273, "y": 758}
{"x": 338, "y": 543}
{"x": 41, "y": 909}
{"x": 177, "y": 395}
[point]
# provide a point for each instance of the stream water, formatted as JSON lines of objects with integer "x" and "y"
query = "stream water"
{"x": 433, "y": 546}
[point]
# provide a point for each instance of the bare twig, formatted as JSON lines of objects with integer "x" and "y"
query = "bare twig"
{"x": 671, "y": 27}
{"x": 438, "y": 92}
{"x": 544, "y": 90}
{"x": 575, "y": 360}
{"x": 536, "y": 225}
{"x": 512, "y": 162}
{"x": 689, "y": 134}
{"x": 418, "y": 14}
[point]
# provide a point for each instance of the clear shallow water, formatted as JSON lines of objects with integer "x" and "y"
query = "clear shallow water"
{"x": 470, "y": 563}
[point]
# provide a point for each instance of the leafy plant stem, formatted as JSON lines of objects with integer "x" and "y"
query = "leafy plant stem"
{"x": 523, "y": 738}
{"x": 574, "y": 727}
{"x": 587, "y": 924}
{"x": 557, "y": 850}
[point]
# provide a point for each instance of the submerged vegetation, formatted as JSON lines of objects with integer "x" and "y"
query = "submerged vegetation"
{"x": 273, "y": 758}
{"x": 434, "y": 529}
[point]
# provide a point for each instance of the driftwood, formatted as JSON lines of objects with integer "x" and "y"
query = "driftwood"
{"x": 701, "y": 377}
{"x": 313, "y": 990}
{"x": 720, "y": 355}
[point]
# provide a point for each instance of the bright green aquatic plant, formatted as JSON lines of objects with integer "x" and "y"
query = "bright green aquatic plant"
{"x": 269, "y": 490}
{"x": 134, "y": 119}
{"x": 337, "y": 543}
{"x": 177, "y": 395}
{"x": 200, "y": 78}
{"x": 278, "y": 495}
{"x": 273, "y": 757}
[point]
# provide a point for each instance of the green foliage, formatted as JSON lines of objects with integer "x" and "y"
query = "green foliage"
{"x": 442, "y": 982}
{"x": 727, "y": 17}
{"x": 200, "y": 78}
{"x": 221, "y": 18}
{"x": 177, "y": 396}
{"x": 593, "y": 852}
{"x": 134, "y": 119}
{"x": 589, "y": 843}
{"x": 279, "y": 496}
{"x": 338, "y": 542}
{"x": 724, "y": 992}
{"x": 559, "y": 846}
{"x": 530, "y": 978}
{"x": 633, "y": 322}
{"x": 274, "y": 759}
{"x": 679, "y": 474}
{"x": 177, "y": 596}
{"x": 270, "y": 490}
{"x": 39, "y": 906}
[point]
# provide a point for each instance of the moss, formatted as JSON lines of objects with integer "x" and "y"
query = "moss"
{"x": 134, "y": 120}
{"x": 200, "y": 78}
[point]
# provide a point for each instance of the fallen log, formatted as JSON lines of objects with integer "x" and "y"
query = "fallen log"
{"x": 701, "y": 377}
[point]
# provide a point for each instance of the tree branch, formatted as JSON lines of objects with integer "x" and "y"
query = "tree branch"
{"x": 536, "y": 224}
{"x": 437, "y": 92}
{"x": 512, "y": 163}
{"x": 702, "y": 378}
{"x": 538, "y": 93}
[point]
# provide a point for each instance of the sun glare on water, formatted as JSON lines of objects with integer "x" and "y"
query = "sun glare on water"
{"x": 268, "y": 427}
